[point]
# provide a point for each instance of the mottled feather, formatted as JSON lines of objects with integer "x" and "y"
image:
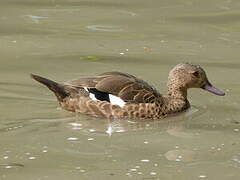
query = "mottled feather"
{"x": 129, "y": 88}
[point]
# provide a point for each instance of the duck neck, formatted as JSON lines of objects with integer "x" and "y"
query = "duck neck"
{"x": 176, "y": 99}
{"x": 176, "y": 92}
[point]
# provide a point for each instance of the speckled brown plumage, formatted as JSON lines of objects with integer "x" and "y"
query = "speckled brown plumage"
{"x": 142, "y": 100}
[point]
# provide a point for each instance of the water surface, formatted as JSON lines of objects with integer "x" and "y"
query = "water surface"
{"x": 67, "y": 39}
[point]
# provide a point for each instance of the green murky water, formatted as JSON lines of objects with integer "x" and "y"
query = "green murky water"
{"x": 67, "y": 39}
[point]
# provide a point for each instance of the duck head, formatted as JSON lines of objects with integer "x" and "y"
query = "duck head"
{"x": 186, "y": 75}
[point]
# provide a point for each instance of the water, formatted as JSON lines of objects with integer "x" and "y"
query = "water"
{"x": 67, "y": 39}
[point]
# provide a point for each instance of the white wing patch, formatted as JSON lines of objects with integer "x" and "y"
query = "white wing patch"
{"x": 91, "y": 95}
{"x": 116, "y": 100}
{"x": 86, "y": 89}
{"x": 112, "y": 99}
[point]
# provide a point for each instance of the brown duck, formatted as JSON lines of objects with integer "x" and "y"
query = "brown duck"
{"x": 121, "y": 95}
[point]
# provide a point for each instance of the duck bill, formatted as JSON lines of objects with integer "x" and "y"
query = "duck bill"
{"x": 208, "y": 87}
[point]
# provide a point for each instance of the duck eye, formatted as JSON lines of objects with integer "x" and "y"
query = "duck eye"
{"x": 196, "y": 74}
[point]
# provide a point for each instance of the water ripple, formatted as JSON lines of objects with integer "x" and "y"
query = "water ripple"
{"x": 106, "y": 28}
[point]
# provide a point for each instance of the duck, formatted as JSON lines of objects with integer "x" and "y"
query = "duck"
{"x": 124, "y": 96}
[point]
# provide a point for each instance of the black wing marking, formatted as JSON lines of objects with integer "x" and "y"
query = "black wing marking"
{"x": 99, "y": 95}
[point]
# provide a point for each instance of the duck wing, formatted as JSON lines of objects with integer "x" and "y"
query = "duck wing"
{"x": 125, "y": 86}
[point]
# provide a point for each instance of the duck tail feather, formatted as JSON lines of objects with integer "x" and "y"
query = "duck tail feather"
{"x": 57, "y": 88}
